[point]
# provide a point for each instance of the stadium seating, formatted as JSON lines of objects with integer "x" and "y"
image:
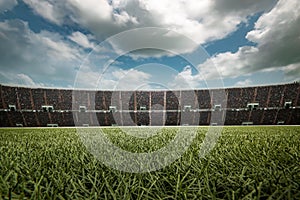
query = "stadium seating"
{"x": 260, "y": 105}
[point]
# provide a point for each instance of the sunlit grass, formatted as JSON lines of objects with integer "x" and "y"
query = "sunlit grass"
{"x": 247, "y": 162}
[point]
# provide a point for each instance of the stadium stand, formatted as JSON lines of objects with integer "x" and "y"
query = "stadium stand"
{"x": 41, "y": 107}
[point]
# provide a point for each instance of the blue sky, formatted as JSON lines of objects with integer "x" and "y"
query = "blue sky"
{"x": 134, "y": 44}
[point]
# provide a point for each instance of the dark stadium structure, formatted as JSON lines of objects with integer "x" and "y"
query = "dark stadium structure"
{"x": 41, "y": 107}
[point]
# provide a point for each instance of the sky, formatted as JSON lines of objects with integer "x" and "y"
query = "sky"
{"x": 149, "y": 44}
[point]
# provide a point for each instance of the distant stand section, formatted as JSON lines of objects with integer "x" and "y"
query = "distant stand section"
{"x": 41, "y": 107}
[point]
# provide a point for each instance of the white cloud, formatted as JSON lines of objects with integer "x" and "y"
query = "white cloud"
{"x": 92, "y": 9}
{"x": 24, "y": 79}
{"x": 186, "y": 80}
{"x": 244, "y": 83}
{"x": 202, "y": 21}
{"x": 47, "y": 9}
{"x": 153, "y": 42}
{"x": 131, "y": 79}
{"x": 277, "y": 35}
{"x": 228, "y": 64}
{"x": 82, "y": 40}
{"x": 20, "y": 80}
{"x": 113, "y": 78}
{"x": 56, "y": 47}
{"x": 86, "y": 78}
{"x": 293, "y": 70}
{"x": 99, "y": 17}
{"x": 7, "y": 4}
{"x": 37, "y": 55}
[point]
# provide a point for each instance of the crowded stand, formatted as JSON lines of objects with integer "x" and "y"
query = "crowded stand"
{"x": 40, "y": 107}
{"x": 172, "y": 102}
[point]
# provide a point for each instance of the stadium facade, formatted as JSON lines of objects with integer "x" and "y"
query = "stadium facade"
{"x": 41, "y": 107}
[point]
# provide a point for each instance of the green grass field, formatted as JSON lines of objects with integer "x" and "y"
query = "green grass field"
{"x": 246, "y": 163}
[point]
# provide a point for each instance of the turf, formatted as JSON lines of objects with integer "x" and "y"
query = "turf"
{"x": 246, "y": 163}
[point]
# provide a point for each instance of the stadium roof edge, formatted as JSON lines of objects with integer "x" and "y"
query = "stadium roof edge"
{"x": 161, "y": 90}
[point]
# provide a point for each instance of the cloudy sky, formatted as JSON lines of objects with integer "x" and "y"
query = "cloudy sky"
{"x": 149, "y": 44}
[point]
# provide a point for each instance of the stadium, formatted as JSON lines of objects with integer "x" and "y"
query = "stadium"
{"x": 149, "y": 99}
{"x": 40, "y": 107}
{"x": 248, "y": 161}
